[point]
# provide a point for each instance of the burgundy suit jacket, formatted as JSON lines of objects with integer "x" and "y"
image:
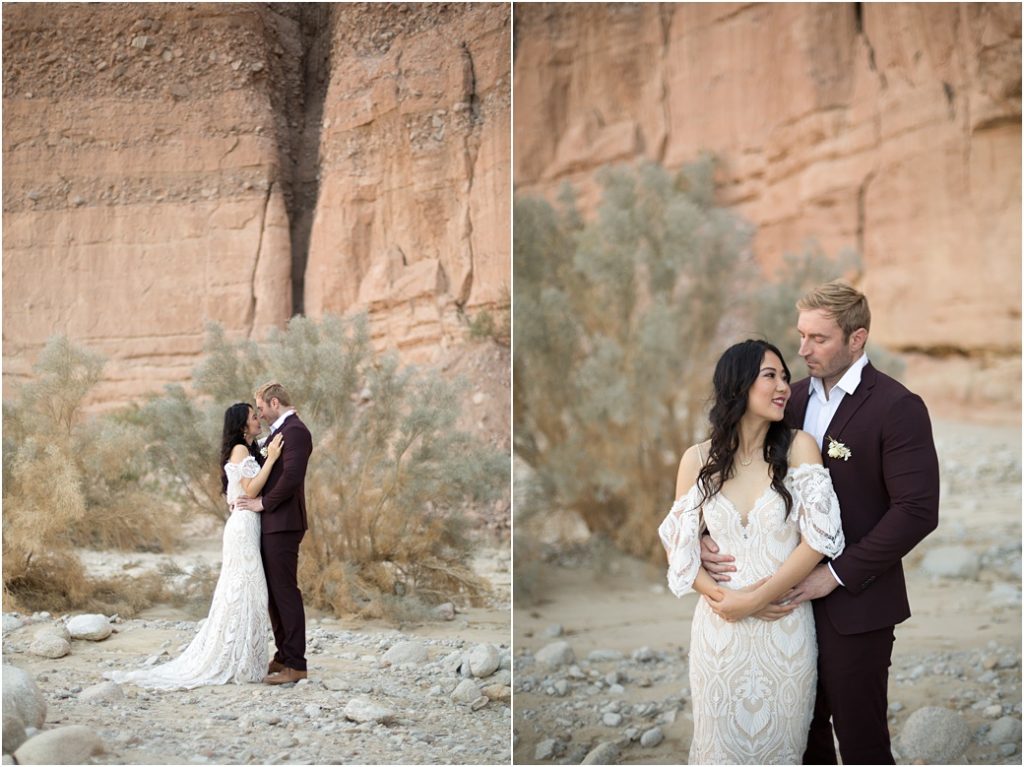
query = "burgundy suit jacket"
{"x": 284, "y": 493}
{"x": 888, "y": 494}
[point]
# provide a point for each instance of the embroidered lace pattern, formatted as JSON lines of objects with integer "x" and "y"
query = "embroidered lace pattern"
{"x": 753, "y": 682}
{"x": 231, "y": 645}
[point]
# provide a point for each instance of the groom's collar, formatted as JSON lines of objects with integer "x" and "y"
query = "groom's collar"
{"x": 277, "y": 424}
{"x": 847, "y": 384}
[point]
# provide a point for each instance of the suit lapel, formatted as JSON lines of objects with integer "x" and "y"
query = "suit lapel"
{"x": 797, "y": 406}
{"x": 851, "y": 404}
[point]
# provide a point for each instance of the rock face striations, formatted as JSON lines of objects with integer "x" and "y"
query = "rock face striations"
{"x": 890, "y": 128}
{"x": 166, "y": 165}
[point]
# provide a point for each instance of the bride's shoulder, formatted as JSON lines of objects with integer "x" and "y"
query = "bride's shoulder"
{"x": 803, "y": 449}
{"x": 239, "y": 453}
{"x": 690, "y": 464}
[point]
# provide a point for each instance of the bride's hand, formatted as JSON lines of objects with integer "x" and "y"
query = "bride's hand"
{"x": 734, "y": 605}
{"x": 275, "y": 447}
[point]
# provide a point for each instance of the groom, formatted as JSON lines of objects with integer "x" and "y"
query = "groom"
{"x": 876, "y": 442}
{"x": 283, "y": 524}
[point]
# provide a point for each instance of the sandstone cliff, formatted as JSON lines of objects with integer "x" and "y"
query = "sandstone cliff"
{"x": 890, "y": 128}
{"x": 170, "y": 164}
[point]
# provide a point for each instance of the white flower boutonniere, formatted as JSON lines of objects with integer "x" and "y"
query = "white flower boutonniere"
{"x": 838, "y": 450}
{"x": 263, "y": 451}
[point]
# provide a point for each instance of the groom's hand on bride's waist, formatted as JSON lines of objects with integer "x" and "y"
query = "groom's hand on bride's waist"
{"x": 252, "y": 504}
{"x": 717, "y": 565}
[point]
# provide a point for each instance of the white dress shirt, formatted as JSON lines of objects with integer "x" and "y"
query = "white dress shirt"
{"x": 276, "y": 425}
{"x": 821, "y": 408}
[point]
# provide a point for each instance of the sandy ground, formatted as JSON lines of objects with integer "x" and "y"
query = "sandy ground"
{"x": 961, "y": 648}
{"x": 297, "y": 724}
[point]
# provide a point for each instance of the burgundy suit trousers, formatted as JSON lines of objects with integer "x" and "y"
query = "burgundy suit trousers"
{"x": 853, "y": 680}
{"x": 287, "y": 617}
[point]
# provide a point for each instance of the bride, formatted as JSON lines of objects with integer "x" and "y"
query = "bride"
{"x": 761, "y": 491}
{"x": 231, "y": 645}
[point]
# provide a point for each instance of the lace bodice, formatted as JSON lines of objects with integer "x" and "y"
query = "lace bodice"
{"x": 762, "y": 542}
{"x": 248, "y": 468}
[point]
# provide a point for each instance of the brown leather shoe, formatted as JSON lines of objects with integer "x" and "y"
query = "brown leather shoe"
{"x": 274, "y": 667}
{"x": 284, "y": 676}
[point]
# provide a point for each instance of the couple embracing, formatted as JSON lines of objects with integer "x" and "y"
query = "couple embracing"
{"x": 257, "y": 589}
{"x": 791, "y": 522}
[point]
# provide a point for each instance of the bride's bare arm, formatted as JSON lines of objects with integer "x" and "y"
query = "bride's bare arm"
{"x": 689, "y": 467}
{"x": 253, "y": 485}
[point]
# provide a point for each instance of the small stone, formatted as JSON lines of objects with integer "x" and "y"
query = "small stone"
{"x": 555, "y": 655}
{"x": 479, "y": 703}
{"x": 140, "y": 42}
{"x": 644, "y": 655}
{"x": 501, "y": 693}
{"x": 48, "y": 645}
{"x": 561, "y": 687}
{"x": 951, "y": 562}
{"x": 545, "y": 750}
{"x": 362, "y": 710}
{"x": 993, "y": 711}
{"x": 91, "y": 627}
{"x": 466, "y": 692}
{"x": 554, "y": 631}
{"x": 405, "y": 652}
{"x": 611, "y": 720}
{"x": 1004, "y": 730}
{"x": 107, "y": 692}
{"x": 484, "y": 660}
{"x": 445, "y": 612}
{"x": 65, "y": 745}
{"x": 652, "y": 738}
{"x": 602, "y": 753}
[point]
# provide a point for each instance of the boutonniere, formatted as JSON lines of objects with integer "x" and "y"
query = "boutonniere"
{"x": 263, "y": 451}
{"x": 838, "y": 450}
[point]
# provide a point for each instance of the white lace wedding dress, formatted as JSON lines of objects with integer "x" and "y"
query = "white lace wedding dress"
{"x": 753, "y": 682}
{"x": 231, "y": 645}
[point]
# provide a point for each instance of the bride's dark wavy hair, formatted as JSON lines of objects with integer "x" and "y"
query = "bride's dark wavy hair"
{"x": 736, "y": 371}
{"x": 235, "y": 418}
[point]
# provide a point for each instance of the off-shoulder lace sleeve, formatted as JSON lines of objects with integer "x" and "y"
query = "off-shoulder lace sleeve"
{"x": 817, "y": 508}
{"x": 247, "y": 468}
{"x": 680, "y": 535}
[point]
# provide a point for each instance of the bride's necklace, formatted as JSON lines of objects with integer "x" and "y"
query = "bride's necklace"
{"x": 749, "y": 460}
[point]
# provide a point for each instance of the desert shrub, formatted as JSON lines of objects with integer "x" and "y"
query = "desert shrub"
{"x": 493, "y": 324}
{"x": 390, "y": 473}
{"x": 619, "y": 321}
{"x": 67, "y": 482}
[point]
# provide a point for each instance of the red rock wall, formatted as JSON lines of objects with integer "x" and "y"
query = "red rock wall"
{"x": 890, "y": 128}
{"x": 151, "y": 161}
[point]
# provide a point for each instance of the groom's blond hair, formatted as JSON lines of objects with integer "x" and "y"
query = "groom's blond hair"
{"x": 846, "y": 305}
{"x": 274, "y": 390}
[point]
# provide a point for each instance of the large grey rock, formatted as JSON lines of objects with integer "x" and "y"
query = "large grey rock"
{"x": 92, "y": 627}
{"x": 363, "y": 710}
{"x": 405, "y": 652}
{"x": 951, "y": 562}
{"x": 55, "y": 629}
{"x": 49, "y": 645}
{"x": 104, "y": 692}
{"x": 23, "y": 697}
{"x": 12, "y": 622}
{"x": 602, "y": 753}
{"x": 466, "y": 692}
{"x": 555, "y": 655}
{"x": 1004, "y": 730}
{"x": 484, "y": 660}
{"x": 934, "y": 735}
{"x": 65, "y": 745}
{"x": 14, "y": 730}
